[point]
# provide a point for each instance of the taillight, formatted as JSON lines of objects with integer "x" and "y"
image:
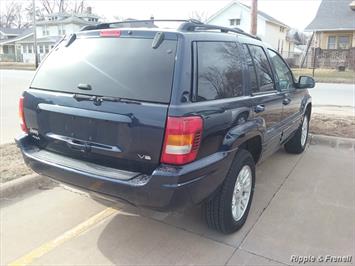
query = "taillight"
{"x": 22, "y": 116}
{"x": 110, "y": 33}
{"x": 182, "y": 139}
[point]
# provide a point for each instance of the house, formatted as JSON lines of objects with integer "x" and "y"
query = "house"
{"x": 49, "y": 31}
{"x": 269, "y": 29}
{"x": 9, "y": 33}
{"x": 9, "y": 51}
{"x": 334, "y": 33}
{"x": 5, "y": 35}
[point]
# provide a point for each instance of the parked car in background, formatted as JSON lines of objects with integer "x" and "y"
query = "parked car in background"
{"x": 163, "y": 118}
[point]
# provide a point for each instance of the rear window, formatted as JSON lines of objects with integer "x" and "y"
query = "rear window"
{"x": 219, "y": 68}
{"x": 116, "y": 67}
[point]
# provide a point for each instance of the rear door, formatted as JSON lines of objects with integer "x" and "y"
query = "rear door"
{"x": 103, "y": 97}
{"x": 267, "y": 101}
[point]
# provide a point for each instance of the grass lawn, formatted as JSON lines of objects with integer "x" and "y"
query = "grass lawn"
{"x": 327, "y": 75}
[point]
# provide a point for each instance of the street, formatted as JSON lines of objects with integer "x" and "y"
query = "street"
{"x": 13, "y": 82}
{"x": 303, "y": 205}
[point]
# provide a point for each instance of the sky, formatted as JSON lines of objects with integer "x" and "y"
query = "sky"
{"x": 295, "y": 13}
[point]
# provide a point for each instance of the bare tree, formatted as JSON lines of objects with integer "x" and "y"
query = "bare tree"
{"x": 199, "y": 15}
{"x": 70, "y": 6}
{"x": 13, "y": 15}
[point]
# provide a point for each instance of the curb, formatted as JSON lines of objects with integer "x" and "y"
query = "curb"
{"x": 334, "y": 142}
{"x": 23, "y": 185}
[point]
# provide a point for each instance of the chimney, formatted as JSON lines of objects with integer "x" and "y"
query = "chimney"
{"x": 89, "y": 10}
{"x": 352, "y": 5}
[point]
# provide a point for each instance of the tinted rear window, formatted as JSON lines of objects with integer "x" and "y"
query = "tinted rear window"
{"x": 117, "y": 67}
{"x": 219, "y": 68}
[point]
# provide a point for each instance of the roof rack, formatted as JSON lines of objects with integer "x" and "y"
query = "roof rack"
{"x": 187, "y": 25}
{"x": 191, "y": 26}
{"x": 136, "y": 23}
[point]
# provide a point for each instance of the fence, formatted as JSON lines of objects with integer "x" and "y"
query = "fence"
{"x": 333, "y": 59}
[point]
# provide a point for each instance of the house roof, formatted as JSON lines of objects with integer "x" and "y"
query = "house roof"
{"x": 67, "y": 20}
{"x": 66, "y": 14}
{"x": 268, "y": 17}
{"x": 11, "y": 31}
{"x": 333, "y": 15}
{"x": 25, "y": 33}
{"x": 46, "y": 39}
{"x": 260, "y": 13}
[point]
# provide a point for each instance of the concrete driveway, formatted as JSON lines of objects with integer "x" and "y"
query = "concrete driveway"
{"x": 304, "y": 205}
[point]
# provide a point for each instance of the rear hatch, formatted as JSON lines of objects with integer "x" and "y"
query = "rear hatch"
{"x": 102, "y": 97}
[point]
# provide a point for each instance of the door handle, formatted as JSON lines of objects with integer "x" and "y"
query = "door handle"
{"x": 286, "y": 101}
{"x": 259, "y": 108}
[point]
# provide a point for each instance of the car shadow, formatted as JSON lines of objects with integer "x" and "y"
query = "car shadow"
{"x": 141, "y": 236}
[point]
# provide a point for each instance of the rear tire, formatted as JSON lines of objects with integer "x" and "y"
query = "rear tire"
{"x": 298, "y": 142}
{"x": 224, "y": 211}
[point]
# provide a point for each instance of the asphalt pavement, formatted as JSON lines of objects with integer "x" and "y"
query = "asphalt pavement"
{"x": 303, "y": 208}
{"x": 13, "y": 82}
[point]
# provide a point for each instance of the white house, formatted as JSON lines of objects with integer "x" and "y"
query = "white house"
{"x": 269, "y": 29}
{"x": 49, "y": 31}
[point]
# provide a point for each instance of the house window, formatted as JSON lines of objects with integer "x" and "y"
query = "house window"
{"x": 40, "y": 49}
{"x": 282, "y": 29}
{"x": 61, "y": 31}
{"x": 5, "y": 49}
{"x": 343, "y": 42}
{"x": 234, "y": 22}
{"x": 46, "y": 48}
{"x": 332, "y": 42}
{"x": 29, "y": 48}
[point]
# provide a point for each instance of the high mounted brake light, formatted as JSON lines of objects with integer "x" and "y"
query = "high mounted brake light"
{"x": 182, "y": 140}
{"x": 22, "y": 116}
{"x": 110, "y": 33}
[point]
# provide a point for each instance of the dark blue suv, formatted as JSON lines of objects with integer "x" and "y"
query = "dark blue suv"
{"x": 162, "y": 118}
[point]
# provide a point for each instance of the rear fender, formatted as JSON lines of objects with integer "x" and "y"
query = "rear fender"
{"x": 241, "y": 133}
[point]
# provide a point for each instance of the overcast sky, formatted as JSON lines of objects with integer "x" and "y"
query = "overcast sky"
{"x": 295, "y": 13}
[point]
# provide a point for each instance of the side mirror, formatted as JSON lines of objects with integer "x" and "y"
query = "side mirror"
{"x": 305, "y": 82}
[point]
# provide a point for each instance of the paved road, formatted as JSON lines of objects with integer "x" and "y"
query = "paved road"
{"x": 333, "y": 94}
{"x": 303, "y": 205}
{"x": 13, "y": 82}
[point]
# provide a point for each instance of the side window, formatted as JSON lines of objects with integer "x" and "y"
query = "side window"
{"x": 251, "y": 70}
{"x": 285, "y": 78}
{"x": 219, "y": 71}
{"x": 263, "y": 69}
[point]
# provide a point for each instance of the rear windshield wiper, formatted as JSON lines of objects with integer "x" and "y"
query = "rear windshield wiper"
{"x": 83, "y": 97}
{"x": 100, "y": 99}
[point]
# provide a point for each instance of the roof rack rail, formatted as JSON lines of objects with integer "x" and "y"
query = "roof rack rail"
{"x": 187, "y": 25}
{"x": 192, "y": 26}
{"x": 145, "y": 22}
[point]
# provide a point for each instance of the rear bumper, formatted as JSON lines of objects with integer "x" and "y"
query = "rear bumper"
{"x": 168, "y": 187}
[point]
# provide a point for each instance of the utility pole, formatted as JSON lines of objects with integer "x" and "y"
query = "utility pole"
{"x": 254, "y": 17}
{"x": 34, "y": 33}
